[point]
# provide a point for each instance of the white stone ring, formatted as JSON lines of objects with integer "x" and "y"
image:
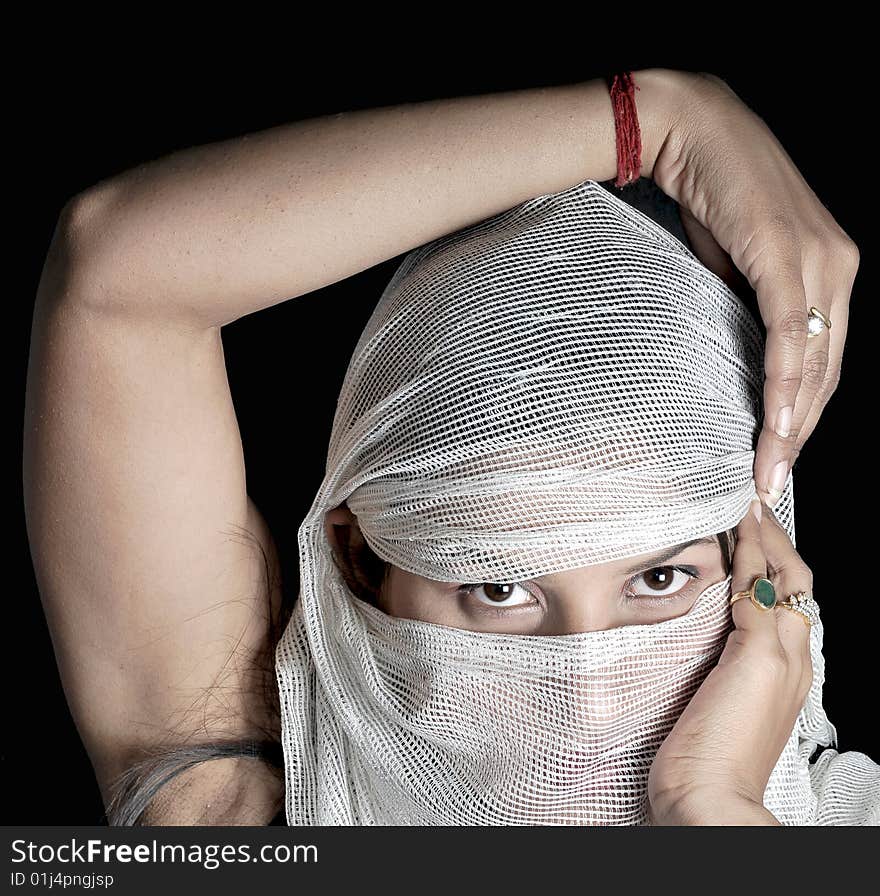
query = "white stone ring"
{"x": 803, "y": 604}
{"x": 816, "y": 322}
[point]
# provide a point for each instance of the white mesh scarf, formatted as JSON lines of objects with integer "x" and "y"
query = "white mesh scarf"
{"x": 560, "y": 385}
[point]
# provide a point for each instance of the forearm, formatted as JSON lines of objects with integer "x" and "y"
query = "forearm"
{"x": 212, "y": 233}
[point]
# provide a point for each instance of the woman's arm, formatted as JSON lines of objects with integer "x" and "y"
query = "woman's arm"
{"x": 155, "y": 569}
{"x": 135, "y": 488}
{"x": 211, "y": 233}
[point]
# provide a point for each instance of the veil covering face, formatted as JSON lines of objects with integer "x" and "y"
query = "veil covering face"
{"x": 560, "y": 385}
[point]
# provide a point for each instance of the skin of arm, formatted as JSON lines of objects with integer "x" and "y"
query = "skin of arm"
{"x": 136, "y": 507}
{"x": 211, "y": 233}
{"x": 135, "y": 485}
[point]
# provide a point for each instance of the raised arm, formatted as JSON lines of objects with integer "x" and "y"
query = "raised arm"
{"x": 155, "y": 569}
{"x": 136, "y": 496}
{"x": 211, "y": 233}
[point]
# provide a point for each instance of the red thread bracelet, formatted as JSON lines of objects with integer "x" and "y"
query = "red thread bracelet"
{"x": 622, "y": 88}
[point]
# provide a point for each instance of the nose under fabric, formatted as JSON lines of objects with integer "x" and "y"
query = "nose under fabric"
{"x": 561, "y": 385}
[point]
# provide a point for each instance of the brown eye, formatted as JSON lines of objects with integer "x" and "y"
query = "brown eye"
{"x": 662, "y": 581}
{"x": 500, "y": 594}
{"x": 659, "y": 578}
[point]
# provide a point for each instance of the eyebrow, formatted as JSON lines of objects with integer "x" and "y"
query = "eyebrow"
{"x": 668, "y": 554}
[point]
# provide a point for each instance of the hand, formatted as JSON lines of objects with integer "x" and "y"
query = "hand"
{"x": 749, "y": 213}
{"x": 714, "y": 765}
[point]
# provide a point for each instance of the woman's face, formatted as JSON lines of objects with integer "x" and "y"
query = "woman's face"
{"x": 638, "y": 590}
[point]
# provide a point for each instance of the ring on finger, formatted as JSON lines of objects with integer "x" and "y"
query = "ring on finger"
{"x": 817, "y": 322}
{"x": 804, "y": 605}
{"x": 762, "y": 594}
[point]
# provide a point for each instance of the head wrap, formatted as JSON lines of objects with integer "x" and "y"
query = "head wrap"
{"x": 560, "y": 385}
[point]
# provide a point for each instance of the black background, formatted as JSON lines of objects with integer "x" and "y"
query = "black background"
{"x": 101, "y": 112}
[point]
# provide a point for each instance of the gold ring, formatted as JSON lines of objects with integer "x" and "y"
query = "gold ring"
{"x": 817, "y": 322}
{"x": 804, "y": 605}
{"x": 762, "y": 594}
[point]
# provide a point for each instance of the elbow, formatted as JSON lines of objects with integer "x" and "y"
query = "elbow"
{"x": 79, "y": 220}
{"x": 109, "y": 255}
{"x": 76, "y": 268}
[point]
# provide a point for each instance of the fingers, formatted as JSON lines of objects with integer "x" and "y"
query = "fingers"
{"x": 777, "y": 640}
{"x": 786, "y": 324}
{"x": 789, "y": 574}
{"x": 831, "y": 263}
{"x": 836, "y": 341}
{"x": 749, "y": 563}
{"x": 783, "y": 561}
{"x": 789, "y": 435}
{"x": 822, "y": 276}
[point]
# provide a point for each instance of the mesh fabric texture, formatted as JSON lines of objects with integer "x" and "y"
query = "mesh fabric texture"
{"x": 560, "y": 385}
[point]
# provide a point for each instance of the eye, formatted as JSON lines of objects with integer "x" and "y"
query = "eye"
{"x": 504, "y": 594}
{"x": 662, "y": 581}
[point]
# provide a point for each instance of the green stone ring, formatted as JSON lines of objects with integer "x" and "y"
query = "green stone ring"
{"x": 762, "y": 594}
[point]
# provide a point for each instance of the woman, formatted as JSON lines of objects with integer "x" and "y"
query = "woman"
{"x": 127, "y": 344}
{"x": 546, "y": 432}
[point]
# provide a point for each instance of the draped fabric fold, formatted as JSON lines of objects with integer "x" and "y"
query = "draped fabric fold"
{"x": 560, "y": 385}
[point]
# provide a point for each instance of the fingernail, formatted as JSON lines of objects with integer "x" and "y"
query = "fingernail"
{"x": 778, "y": 477}
{"x": 777, "y": 483}
{"x": 783, "y": 421}
{"x": 756, "y": 509}
{"x": 772, "y": 498}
